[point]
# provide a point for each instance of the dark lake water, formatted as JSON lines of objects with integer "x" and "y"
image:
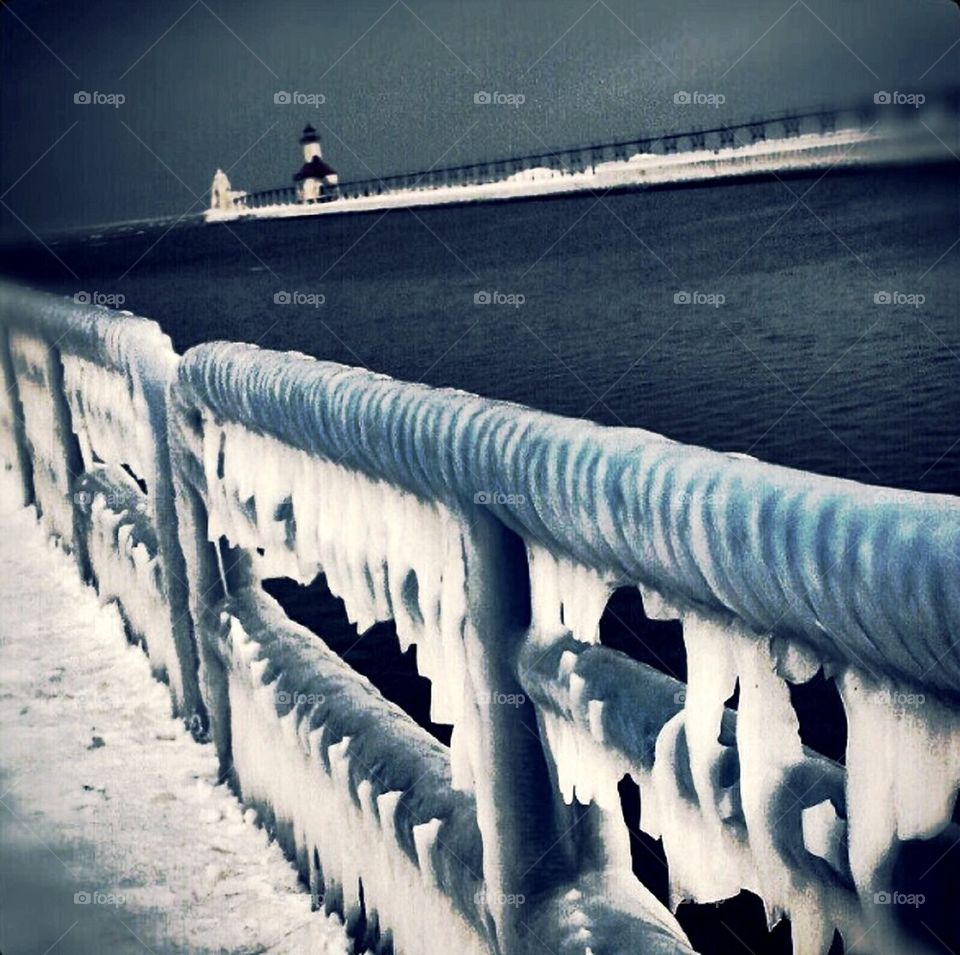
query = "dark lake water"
{"x": 783, "y": 352}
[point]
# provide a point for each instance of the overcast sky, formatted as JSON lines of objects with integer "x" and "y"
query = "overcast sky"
{"x": 398, "y": 79}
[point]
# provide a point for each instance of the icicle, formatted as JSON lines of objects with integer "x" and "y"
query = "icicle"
{"x": 695, "y": 826}
{"x": 903, "y": 772}
{"x": 824, "y": 833}
{"x": 384, "y": 552}
{"x": 768, "y": 741}
{"x": 110, "y": 415}
{"x": 657, "y": 607}
{"x": 565, "y": 596}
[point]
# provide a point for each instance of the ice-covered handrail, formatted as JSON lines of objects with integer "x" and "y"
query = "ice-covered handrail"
{"x": 866, "y": 575}
{"x": 86, "y": 385}
{"x": 116, "y": 340}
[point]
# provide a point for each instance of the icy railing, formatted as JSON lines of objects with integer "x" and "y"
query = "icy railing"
{"x": 83, "y": 422}
{"x": 439, "y": 850}
{"x": 493, "y": 537}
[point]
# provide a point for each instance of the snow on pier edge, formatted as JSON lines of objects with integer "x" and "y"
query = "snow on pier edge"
{"x": 95, "y": 763}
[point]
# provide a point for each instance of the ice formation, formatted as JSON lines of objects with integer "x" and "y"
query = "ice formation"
{"x": 783, "y": 550}
{"x": 565, "y": 595}
{"x": 709, "y": 537}
{"x": 903, "y": 775}
{"x": 13, "y": 453}
{"x": 44, "y": 432}
{"x": 365, "y": 791}
{"x": 493, "y": 536}
{"x": 110, "y": 417}
{"x": 91, "y": 386}
{"x": 387, "y": 554}
{"x": 124, "y": 561}
{"x": 740, "y": 787}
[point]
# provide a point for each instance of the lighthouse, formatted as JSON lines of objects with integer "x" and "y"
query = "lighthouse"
{"x": 316, "y": 180}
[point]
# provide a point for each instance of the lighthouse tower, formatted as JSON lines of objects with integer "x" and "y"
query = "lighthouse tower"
{"x": 317, "y": 180}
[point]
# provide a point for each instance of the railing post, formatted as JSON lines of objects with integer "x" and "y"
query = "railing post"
{"x": 17, "y": 441}
{"x": 68, "y": 449}
{"x": 203, "y": 566}
{"x": 524, "y": 846}
{"x": 155, "y": 385}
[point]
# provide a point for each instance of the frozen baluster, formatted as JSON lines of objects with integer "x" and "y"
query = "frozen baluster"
{"x": 523, "y": 842}
{"x": 711, "y": 681}
{"x": 768, "y": 740}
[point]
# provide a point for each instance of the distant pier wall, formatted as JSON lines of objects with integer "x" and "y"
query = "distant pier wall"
{"x": 872, "y": 134}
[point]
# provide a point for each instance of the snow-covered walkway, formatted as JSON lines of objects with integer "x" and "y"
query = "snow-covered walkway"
{"x": 114, "y": 836}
